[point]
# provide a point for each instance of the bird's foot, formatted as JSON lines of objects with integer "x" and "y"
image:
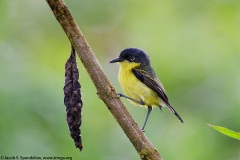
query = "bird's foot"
{"x": 138, "y": 102}
{"x": 160, "y": 107}
{"x": 120, "y": 95}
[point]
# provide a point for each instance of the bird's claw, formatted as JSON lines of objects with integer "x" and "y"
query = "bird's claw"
{"x": 119, "y": 94}
{"x": 160, "y": 108}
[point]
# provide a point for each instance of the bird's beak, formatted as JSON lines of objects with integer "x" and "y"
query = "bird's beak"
{"x": 117, "y": 60}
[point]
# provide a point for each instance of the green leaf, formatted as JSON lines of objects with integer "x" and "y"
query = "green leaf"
{"x": 226, "y": 131}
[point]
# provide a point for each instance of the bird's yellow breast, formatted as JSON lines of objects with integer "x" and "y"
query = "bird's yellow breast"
{"x": 134, "y": 88}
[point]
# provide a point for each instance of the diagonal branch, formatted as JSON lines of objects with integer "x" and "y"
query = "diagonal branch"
{"x": 105, "y": 90}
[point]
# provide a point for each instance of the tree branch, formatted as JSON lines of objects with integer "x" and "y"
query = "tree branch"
{"x": 105, "y": 90}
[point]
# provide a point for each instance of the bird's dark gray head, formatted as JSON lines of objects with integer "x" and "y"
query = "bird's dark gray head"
{"x": 133, "y": 55}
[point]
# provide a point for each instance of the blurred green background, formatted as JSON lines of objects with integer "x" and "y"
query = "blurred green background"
{"x": 194, "y": 47}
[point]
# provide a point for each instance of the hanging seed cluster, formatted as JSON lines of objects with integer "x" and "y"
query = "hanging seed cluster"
{"x": 72, "y": 99}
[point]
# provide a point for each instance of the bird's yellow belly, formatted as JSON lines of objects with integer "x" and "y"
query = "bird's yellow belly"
{"x": 135, "y": 89}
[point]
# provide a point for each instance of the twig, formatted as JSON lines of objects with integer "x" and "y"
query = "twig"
{"x": 105, "y": 90}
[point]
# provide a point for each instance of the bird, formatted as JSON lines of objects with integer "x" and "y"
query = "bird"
{"x": 139, "y": 82}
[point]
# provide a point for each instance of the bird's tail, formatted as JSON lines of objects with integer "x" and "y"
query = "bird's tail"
{"x": 173, "y": 110}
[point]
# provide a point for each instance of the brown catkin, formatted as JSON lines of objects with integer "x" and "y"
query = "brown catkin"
{"x": 72, "y": 99}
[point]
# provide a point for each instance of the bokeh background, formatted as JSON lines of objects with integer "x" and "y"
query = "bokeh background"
{"x": 194, "y": 47}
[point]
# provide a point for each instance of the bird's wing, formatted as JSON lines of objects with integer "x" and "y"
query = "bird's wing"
{"x": 154, "y": 83}
{"x": 151, "y": 82}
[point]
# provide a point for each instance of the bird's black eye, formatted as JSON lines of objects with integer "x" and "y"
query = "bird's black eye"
{"x": 132, "y": 58}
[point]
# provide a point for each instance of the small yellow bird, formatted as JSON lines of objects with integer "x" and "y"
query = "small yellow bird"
{"x": 139, "y": 81}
